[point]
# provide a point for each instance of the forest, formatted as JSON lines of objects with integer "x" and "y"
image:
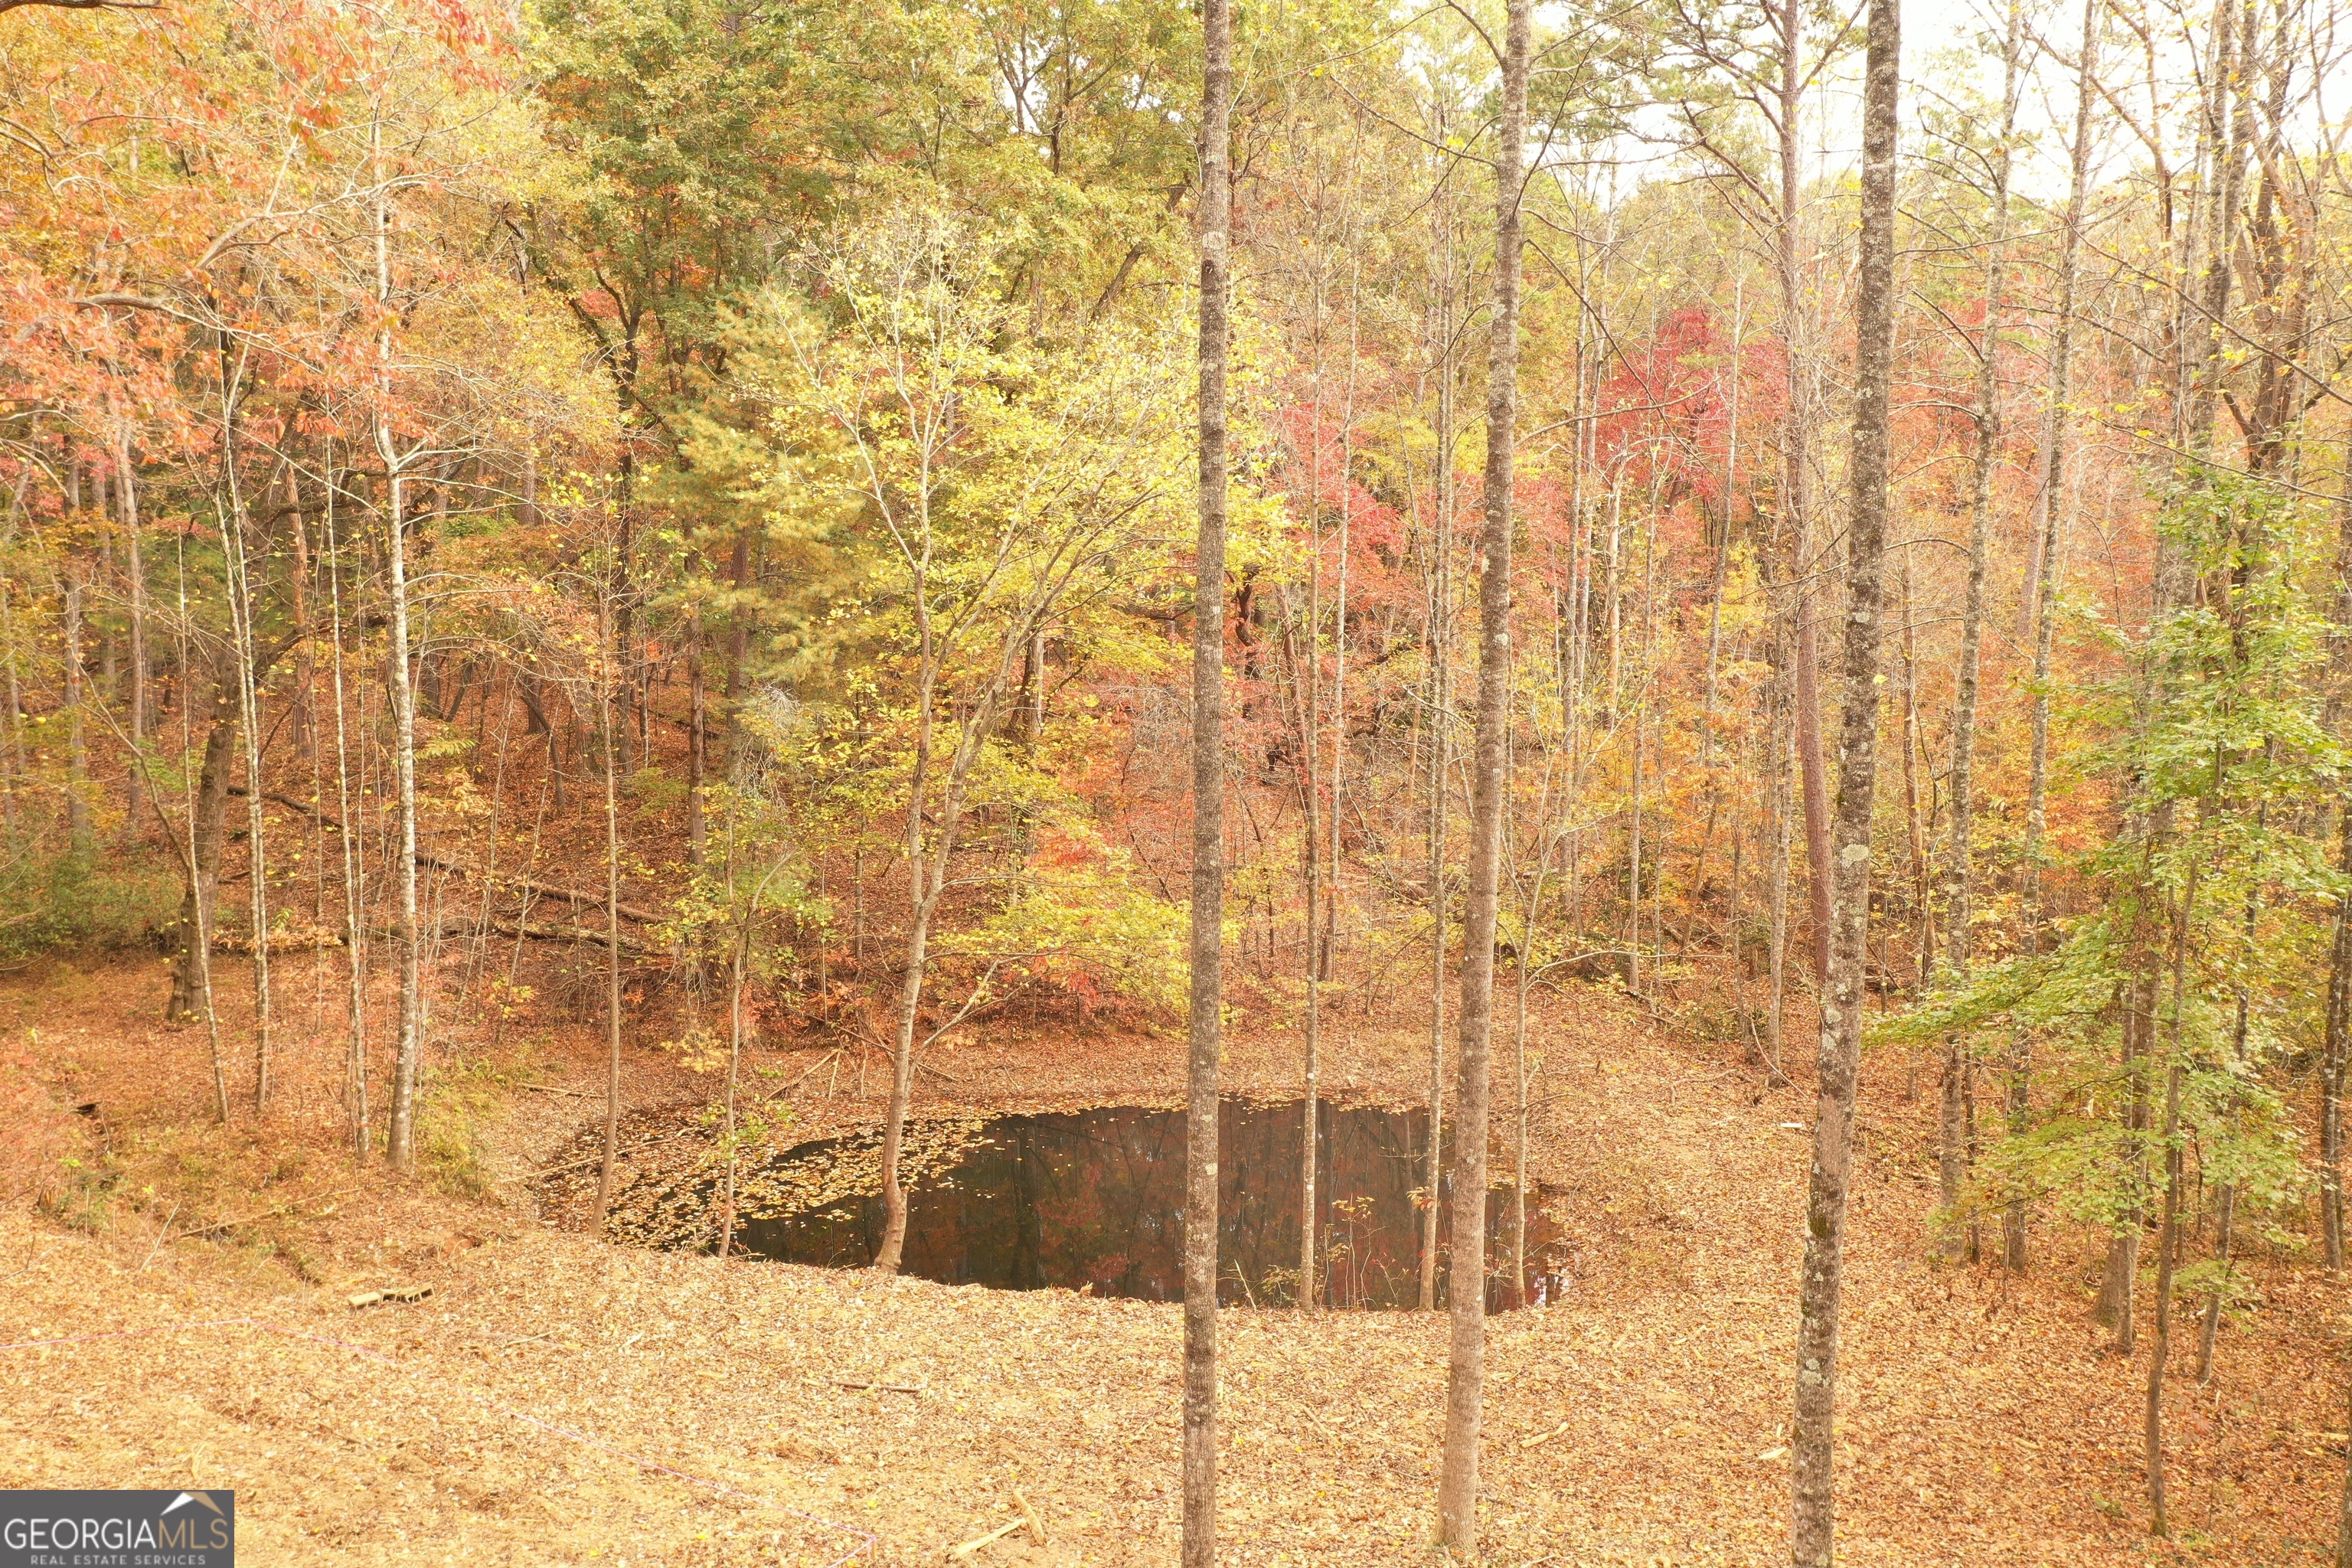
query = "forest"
{"x": 819, "y": 783}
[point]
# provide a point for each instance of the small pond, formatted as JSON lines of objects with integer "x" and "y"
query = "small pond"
{"x": 1096, "y": 1199}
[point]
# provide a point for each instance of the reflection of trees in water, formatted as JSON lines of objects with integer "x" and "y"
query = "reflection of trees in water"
{"x": 1095, "y": 1199}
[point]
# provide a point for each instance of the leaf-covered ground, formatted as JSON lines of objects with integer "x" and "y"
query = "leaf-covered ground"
{"x": 519, "y": 1412}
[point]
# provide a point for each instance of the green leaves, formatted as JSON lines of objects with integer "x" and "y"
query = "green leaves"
{"x": 1082, "y": 921}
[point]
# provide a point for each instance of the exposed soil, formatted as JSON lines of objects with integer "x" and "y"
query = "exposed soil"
{"x": 518, "y": 1413}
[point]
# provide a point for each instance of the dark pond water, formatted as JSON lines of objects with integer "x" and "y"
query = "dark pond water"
{"x": 1097, "y": 1198}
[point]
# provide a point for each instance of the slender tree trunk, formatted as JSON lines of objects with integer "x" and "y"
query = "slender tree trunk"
{"x": 1814, "y": 1535}
{"x": 12, "y": 742}
{"x": 1715, "y": 600}
{"x": 2124, "y": 1246}
{"x": 300, "y": 717}
{"x": 739, "y": 650}
{"x": 1797, "y": 441}
{"x": 734, "y": 1069}
{"x": 354, "y": 886}
{"x": 1521, "y": 1080}
{"x": 207, "y": 801}
{"x": 192, "y": 972}
{"x": 1457, "y": 1491}
{"x": 1320, "y": 957}
{"x": 2224, "y": 1229}
{"x": 1440, "y": 657}
{"x": 400, "y": 1145}
{"x": 250, "y": 675}
{"x": 1782, "y": 810}
{"x": 1310, "y": 670}
{"x": 1717, "y": 574}
{"x": 612, "y": 675}
{"x": 400, "y": 1141}
{"x": 887, "y": 1258}
{"x": 1634, "y": 855}
{"x": 77, "y": 742}
{"x": 697, "y": 746}
{"x": 624, "y": 579}
{"x": 1207, "y": 956}
{"x": 2226, "y": 1200}
{"x": 2344, "y": 1503}
{"x": 2168, "y": 1244}
{"x": 2336, "y": 1052}
{"x": 126, "y": 493}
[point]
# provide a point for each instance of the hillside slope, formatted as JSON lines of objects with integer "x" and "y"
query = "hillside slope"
{"x": 558, "y": 1400}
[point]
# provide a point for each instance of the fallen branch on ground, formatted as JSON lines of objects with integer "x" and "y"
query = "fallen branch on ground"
{"x": 264, "y": 1214}
{"x": 804, "y": 1077}
{"x": 1543, "y": 1438}
{"x": 1036, "y": 1525}
{"x": 977, "y": 1542}
{"x": 442, "y": 862}
{"x": 618, "y": 1155}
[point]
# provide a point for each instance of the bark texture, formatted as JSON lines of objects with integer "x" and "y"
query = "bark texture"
{"x": 1961, "y": 877}
{"x": 1814, "y": 1531}
{"x": 191, "y": 969}
{"x": 1457, "y": 1490}
{"x": 1215, "y": 219}
{"x": 1797, "y": 478}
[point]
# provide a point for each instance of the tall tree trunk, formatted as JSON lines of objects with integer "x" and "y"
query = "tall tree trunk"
{"x": 734, "y": 1069}
{"x": 400, "y": 1134}
{"x": 1457, "y": 1488}
{"x": 354, "y": 884}
{"x": 2168, "y": 1244}
{"x": 2217, "y": 1296}
{"x": 1207, "y": 954}
{"x": 2167, "y": 1247}
{"x": 1441, "y": 616}
{"x": 207, "y": 803}
{"x": 134, "y": 570}
{"x": 2343, "y": 1501}
{"x": 2226, "y": 1200}
{"x": 1633, "y": 853}
{"x": 11, "y": 741}
{"x": 611, "y": 676}
{"x": 1780, "y": 809}
{"x": 739, "y": 650}
{"x": 624, "y": 581}
{"x": 1320, "y": 952}
{"x": 2033, "y": 918}
{"x": 1309, "y": 672}
{"x": 1797, "y": 442}
{"x": 192, "y": 970}
{"x": 301, "y": 718}
{"x": 1717, "y": 574}
{"x": 76, "y": 737}
{"x": 1521, "y": 1082}
{"x": 909, "y": 1017}
{"x": 697, "y": 745}
{"x": 2337, "y": 1041}
{"x": 251, "y": 673}
{"x": 1814, "y": 1535}
{"x": 2336, "y": 1052}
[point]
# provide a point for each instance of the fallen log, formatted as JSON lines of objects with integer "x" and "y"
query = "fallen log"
{"x": 221, "y": 1224}
{"x": 637, "y": 913}
{"x": 977, "y": 1542}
